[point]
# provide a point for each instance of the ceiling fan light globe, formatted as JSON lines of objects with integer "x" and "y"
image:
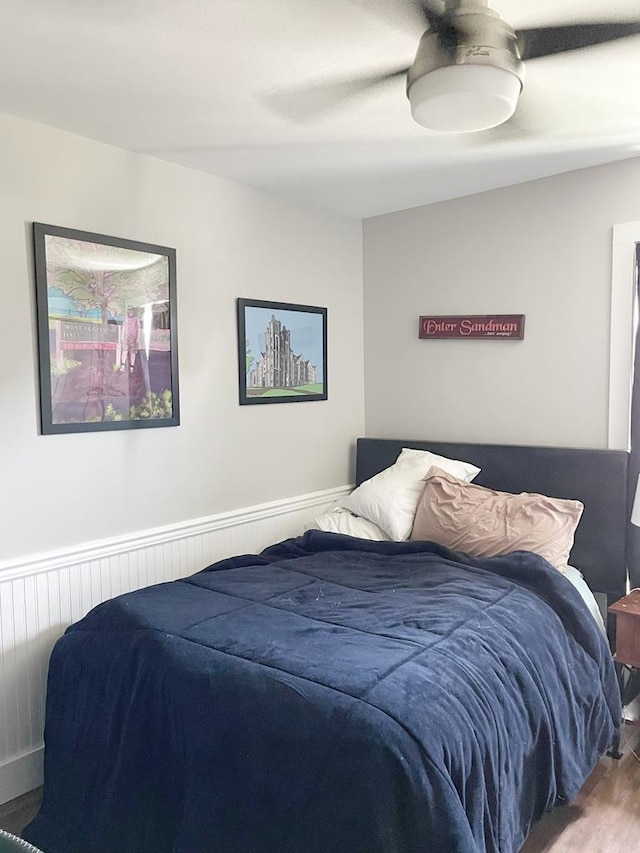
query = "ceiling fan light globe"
{"x": 464, "y": 98}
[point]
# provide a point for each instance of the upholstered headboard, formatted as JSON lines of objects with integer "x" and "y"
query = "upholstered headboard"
{"x": 598, "y": 478}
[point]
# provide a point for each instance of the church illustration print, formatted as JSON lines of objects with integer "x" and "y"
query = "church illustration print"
{"x": 284, "y": 353}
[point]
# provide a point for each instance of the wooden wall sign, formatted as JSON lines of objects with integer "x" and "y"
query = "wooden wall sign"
{"x": 473, "y": 326}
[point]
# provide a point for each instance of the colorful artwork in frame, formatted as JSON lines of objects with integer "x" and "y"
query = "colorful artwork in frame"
{"x": 282, "y": 352}
{"x": 107, "y": 342}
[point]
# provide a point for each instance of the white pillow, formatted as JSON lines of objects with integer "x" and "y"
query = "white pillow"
{"x": 390, "y": 499}
{"x": 340, "y": 520}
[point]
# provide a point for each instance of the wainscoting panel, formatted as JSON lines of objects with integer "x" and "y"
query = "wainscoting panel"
{"x": 41, "y": 595}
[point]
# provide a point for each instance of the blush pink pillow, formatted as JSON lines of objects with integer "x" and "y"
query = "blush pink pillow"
{"x": 486, "y": 523}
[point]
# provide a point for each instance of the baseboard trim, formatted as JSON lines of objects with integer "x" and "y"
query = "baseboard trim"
{"x": 21, "y": 774}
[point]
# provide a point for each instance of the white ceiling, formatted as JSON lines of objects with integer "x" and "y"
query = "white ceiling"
{"x": 190, "y": 81}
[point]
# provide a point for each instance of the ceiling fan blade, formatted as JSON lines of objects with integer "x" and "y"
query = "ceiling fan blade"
{"x": 555, "y": 111}
{"x": 536, "y": 42}
{"x": 302, "y": 103}
{"x": 440, "y": 21}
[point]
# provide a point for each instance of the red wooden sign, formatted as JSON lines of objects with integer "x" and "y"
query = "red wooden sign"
{"x": 465, "y": 326}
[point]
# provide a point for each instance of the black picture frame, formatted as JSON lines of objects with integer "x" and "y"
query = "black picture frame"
{"x": 282, "y": 352}
{"x": 107, "y": 332}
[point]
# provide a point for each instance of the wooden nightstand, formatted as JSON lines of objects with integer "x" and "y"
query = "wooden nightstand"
{"x": 627, "y": 613}
{"x": 627, "y": 657}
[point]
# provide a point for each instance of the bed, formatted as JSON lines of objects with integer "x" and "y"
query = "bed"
{"x": 336, "y": 693}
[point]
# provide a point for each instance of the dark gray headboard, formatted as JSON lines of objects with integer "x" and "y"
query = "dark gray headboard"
{"x": 598, "y": 478}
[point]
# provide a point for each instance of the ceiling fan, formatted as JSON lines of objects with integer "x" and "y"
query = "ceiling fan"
{"x": 468, "y": 72}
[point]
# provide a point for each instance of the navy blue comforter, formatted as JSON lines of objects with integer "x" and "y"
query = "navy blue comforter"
{"x": 330, "y": 695}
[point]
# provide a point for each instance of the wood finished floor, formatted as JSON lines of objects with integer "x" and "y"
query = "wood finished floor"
{"x": 605, "y": 818}
{"x": 14, "y": 816}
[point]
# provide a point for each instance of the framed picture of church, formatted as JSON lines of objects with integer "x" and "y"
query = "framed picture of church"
{"x": 282, "y": 352}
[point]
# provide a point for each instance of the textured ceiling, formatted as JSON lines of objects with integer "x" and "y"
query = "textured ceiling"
{"x": 194, "y": 82}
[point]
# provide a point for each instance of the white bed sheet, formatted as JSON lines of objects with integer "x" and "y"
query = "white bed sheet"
{"x": 577, "y": 579}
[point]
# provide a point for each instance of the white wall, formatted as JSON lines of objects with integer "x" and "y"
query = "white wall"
{"x": 231, "y": 241}
{"x": 542, "y": 249}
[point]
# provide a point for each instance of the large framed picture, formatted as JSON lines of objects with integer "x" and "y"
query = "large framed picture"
{"x": 282, "y": 352}
{"x": 107, "y": 337}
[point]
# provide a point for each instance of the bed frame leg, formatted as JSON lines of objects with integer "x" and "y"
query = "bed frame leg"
{"x": 614, "y": 752}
